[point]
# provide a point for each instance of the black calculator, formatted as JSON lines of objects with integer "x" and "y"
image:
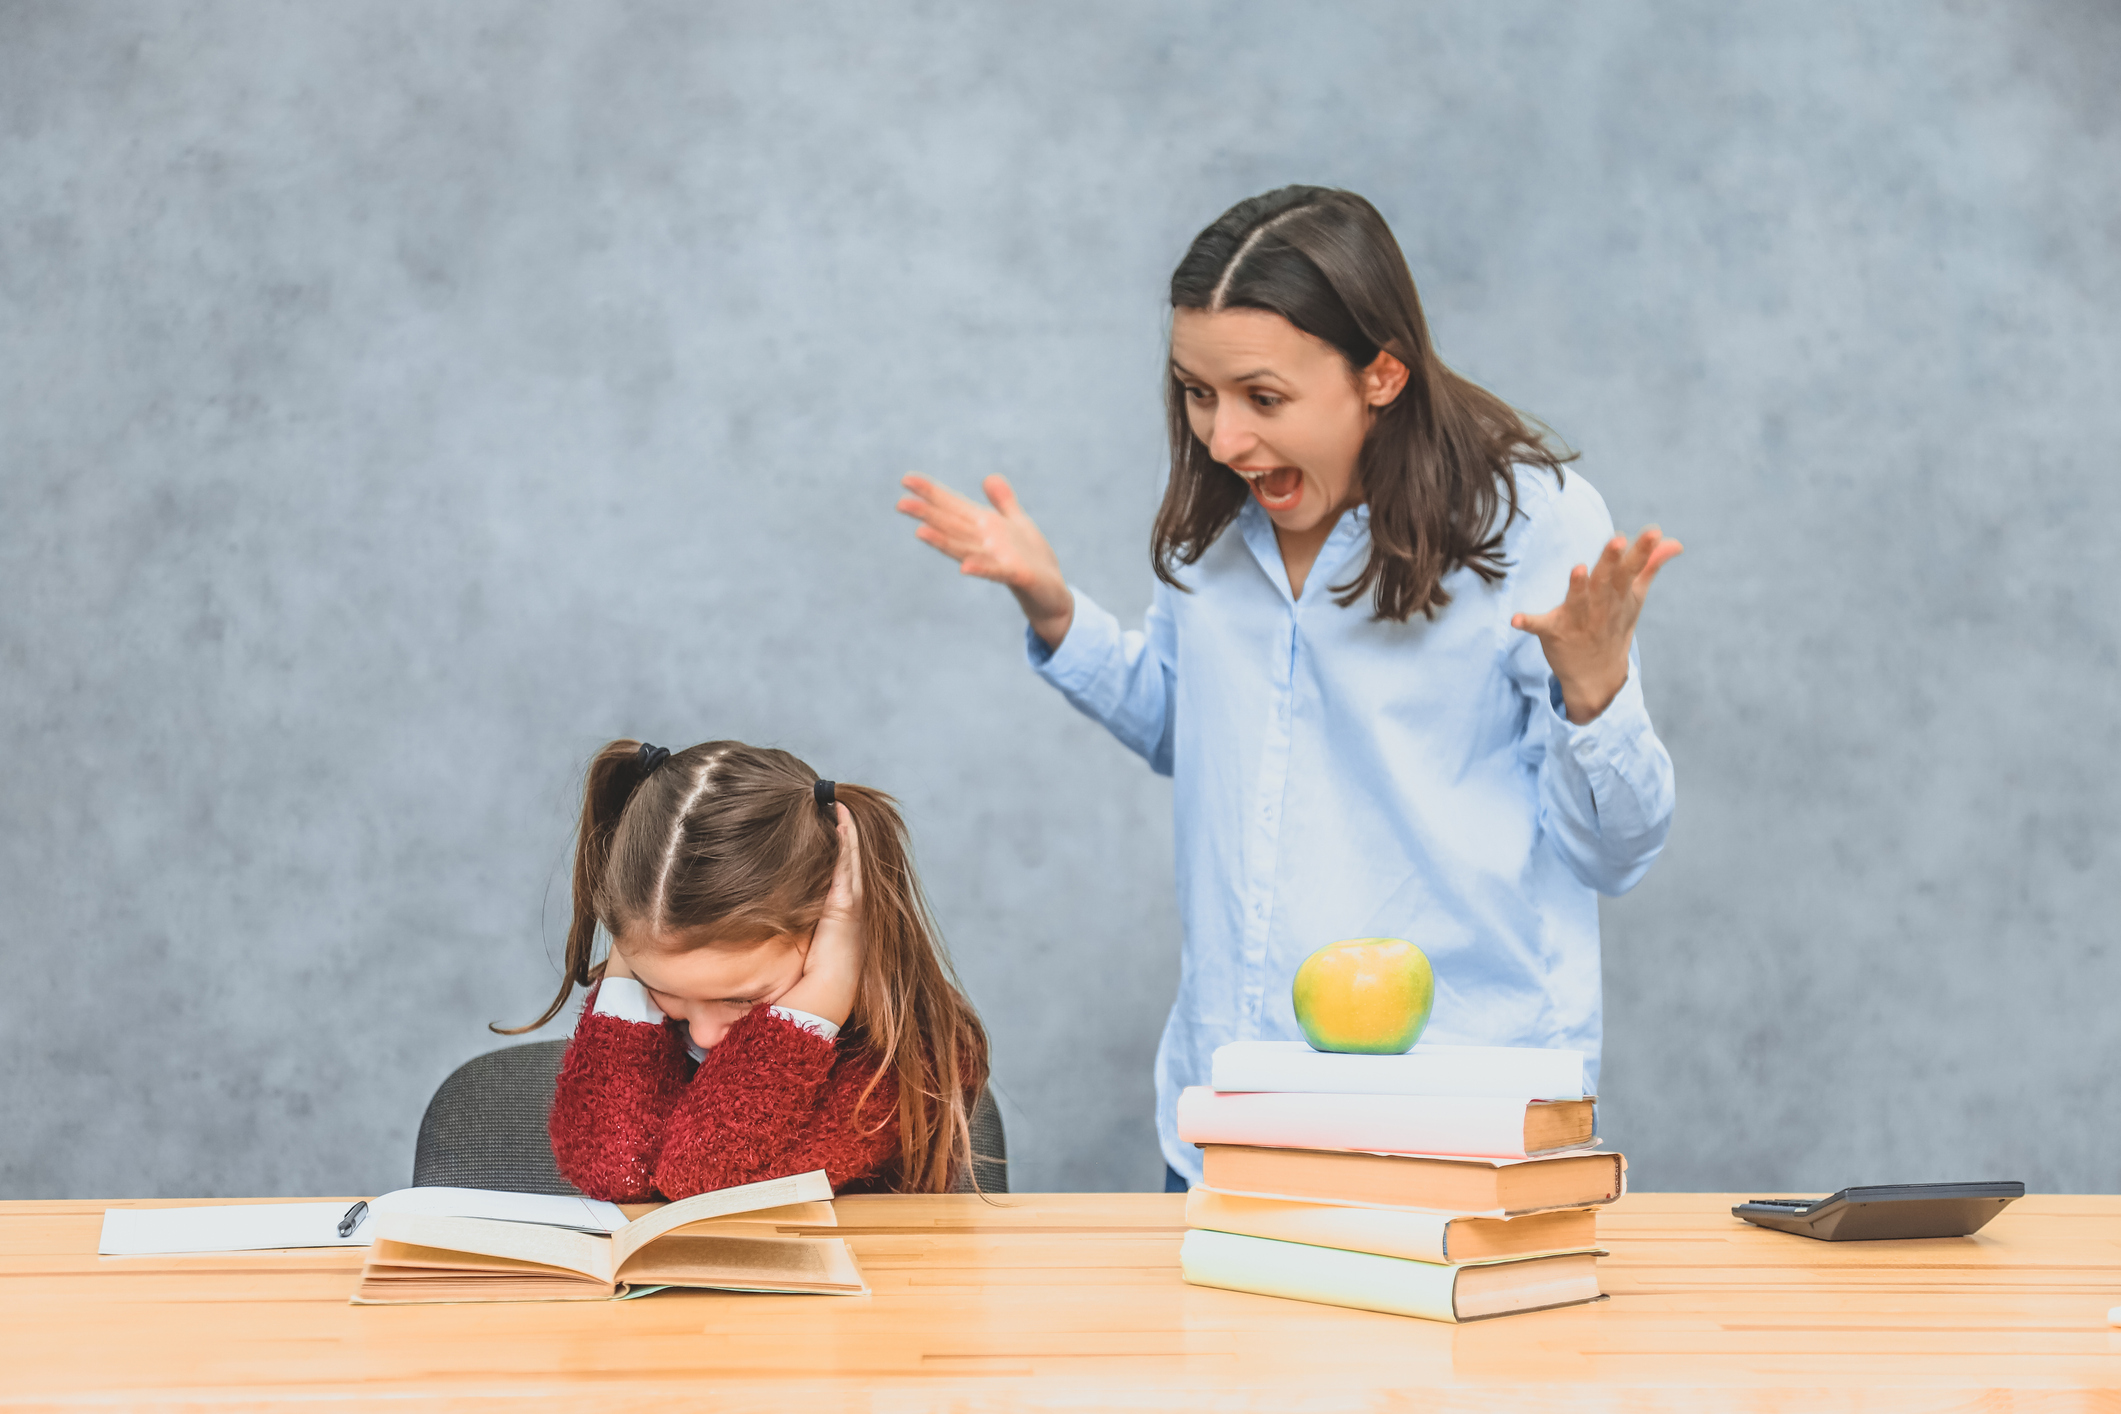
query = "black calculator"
{"x": 1886, "y": 1210}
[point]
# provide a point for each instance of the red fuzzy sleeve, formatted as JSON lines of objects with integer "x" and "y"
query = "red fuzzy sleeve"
{"x": 618, "y": 1084}
{"x": 775, "y": 1098}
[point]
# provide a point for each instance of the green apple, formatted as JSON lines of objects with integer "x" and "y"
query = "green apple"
{"x": 1367, "y": 995}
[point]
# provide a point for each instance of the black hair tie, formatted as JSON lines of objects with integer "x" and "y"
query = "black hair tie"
{"x": 652, "y": 757}
{"x": 823, "y": 790}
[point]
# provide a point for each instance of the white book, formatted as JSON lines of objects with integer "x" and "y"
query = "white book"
{"x": 1478, "y": 1125}
{"x": 1498, "y": 1071}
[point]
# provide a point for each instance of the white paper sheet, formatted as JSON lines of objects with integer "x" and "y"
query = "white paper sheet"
{"x": 232, "y": 1227}
{"x": 258, "y": 1227}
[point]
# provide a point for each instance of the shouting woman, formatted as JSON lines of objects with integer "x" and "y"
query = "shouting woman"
{"x": 1389, "y": 665}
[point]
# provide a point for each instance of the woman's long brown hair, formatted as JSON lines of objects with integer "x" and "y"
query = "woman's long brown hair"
{"x": 1437, "y": 468}
{"x": 726, "y": 843}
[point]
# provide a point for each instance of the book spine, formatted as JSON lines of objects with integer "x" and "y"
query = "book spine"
{"x": 1476, "y": 1127}
{"x": 1418, "y": 1237}
{"x": 1547, "y": 1075}
{"x": 1322, "y": 1274}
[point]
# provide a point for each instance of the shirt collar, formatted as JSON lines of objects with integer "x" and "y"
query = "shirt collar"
{"x": 1349, "y": 534}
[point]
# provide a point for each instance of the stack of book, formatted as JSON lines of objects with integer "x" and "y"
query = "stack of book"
{"x": 1451, "y": 1183}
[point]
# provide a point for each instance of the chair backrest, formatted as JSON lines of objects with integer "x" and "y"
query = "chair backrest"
{"x": 990, "y": 1148}
{"x": 486, "y": 1127}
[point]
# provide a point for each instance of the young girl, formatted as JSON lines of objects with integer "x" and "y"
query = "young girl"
{"x": 1393, "y": 699}
{"x": 775, "y": 999}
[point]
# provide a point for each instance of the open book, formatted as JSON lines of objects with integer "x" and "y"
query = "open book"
{"x": 422, "y": 1257}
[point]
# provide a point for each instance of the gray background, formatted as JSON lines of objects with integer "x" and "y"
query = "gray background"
{"x": 398, "y": 400}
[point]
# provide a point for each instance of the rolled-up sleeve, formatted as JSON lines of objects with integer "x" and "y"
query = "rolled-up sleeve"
{"x": 1605, "y": 788}
{"x": 1606, "y": 792}
{"x": 1121, "y": 678}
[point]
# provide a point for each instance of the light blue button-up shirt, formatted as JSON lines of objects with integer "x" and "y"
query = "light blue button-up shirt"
{"x": 1335, "y": 777}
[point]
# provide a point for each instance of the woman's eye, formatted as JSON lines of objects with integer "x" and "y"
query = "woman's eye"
{"x": 1199, "y": 395}
{"x": 1267, "y": 400}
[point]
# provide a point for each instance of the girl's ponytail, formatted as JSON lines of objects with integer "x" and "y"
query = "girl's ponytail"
{"x": 614, "y": 774}
{"x": 909, "y": 1010}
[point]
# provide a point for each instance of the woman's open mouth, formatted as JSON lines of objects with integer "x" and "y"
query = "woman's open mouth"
{"x": 1278, "y": 489}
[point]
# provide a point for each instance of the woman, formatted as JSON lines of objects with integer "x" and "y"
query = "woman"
{"x": 1394, "y": 702}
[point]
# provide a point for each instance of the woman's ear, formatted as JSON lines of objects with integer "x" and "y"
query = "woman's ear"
{"x": 1383, "y": 380}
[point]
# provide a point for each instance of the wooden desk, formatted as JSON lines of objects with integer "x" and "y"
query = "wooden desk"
{"x": 1073, "y": 1301}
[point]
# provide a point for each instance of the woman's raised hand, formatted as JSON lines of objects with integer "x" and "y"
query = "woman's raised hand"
{"x": 999, "y": 544}
{"x": 832, "y": 968}
{"x": 1586, "y": 636}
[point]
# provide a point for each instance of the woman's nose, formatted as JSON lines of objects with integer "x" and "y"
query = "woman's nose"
{"x": 1230, "y": 435}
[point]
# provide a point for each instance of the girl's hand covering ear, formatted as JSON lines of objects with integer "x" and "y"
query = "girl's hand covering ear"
{"x": 832, "y": 969}
{"x": 1002, "y": 545}
{"x": 1586, "y": 636}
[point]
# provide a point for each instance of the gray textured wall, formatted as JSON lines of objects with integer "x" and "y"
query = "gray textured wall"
{"x": 398, "y": 400}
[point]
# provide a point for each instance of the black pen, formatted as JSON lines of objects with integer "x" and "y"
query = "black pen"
{"x": 353, "y": 1218}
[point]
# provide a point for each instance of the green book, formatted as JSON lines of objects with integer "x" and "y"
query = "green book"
{"x": 1397, "y": 1285}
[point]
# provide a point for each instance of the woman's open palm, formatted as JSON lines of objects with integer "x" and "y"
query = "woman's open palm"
{"x": 1001, "y": 544}
{"x": 1586, "y": 636}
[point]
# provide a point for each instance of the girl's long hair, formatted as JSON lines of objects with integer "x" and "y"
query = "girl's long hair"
{"x": 1437, "y": 465}
{"x": 727, "y": 843}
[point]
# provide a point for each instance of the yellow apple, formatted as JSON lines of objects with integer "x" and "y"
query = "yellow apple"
{"x": 1367, "y": 995}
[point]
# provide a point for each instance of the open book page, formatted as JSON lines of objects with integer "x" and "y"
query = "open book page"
{"x": 398, "y": 1273}
{"x": 766, "y": 1222}
{"x": 551, "y": 1209}
{"x": 586, "y": 1253}
{"x": 812, "y": 1187}
{"x": 742, "y": 1262}
{"x": 391, "y": 1260}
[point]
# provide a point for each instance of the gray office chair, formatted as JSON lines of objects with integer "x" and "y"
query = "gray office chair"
{"x": 485, "y": 1128}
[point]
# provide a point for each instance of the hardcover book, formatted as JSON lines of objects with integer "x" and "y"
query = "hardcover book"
{"x": 1504, "y": 1071}
{"x": 1487, "y": 1126}
{"x": 1413, "y": 1233}
{"x": 1472, "y": 1187}
{"x": 1392, "y": 1284}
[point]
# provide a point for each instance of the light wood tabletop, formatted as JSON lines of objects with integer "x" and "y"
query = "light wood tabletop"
{"x": 1050, "y": 1301}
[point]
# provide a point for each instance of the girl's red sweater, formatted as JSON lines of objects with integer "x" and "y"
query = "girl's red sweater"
{"x": 633, "y": 1121}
